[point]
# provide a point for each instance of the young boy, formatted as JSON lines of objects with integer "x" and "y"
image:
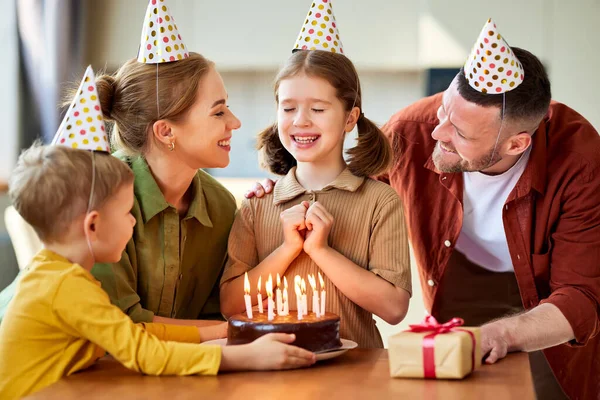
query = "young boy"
{"x": 60, "y": 320}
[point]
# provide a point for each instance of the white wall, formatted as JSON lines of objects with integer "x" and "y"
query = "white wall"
{"x": 242, "y": 34}
{"x": 387, "y": 35}
{"x": 563, "y": 34}
{"x": 574, "y": 52}
{"x": 9, "y": 101}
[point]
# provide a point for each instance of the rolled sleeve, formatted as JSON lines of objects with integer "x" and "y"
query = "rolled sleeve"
{"x": 579, "y": 310}
{"x": 574, "y": 265}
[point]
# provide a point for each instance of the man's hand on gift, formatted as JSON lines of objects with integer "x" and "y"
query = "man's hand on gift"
{"x": 494, "y": 344}
{"x": 541, "y": 327}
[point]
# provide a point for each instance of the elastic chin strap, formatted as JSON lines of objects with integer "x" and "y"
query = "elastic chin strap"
{"x": 499, "y": 130}
{"x": 157, "y": 102}
{"x": 89, "y": 207}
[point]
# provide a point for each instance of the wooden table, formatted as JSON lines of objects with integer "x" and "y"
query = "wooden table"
{"x": 360, "y": 373}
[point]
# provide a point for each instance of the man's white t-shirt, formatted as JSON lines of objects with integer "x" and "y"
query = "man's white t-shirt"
{"x": 482, "y": 238}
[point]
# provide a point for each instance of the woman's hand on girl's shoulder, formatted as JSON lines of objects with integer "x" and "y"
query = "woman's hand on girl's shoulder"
{"x": 260, "y": 189}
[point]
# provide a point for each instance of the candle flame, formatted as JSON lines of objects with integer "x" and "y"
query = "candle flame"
{"x": 312, "y": 281}
{"x": 303, "y": 286}
{"x": 259, "y": 283}
{"x": 321, "y": 281}
{"x": 285, "y": 283}
{"x": 269, "y": 286}
{"x": 297, "y": 289}
{"x": 285, "y": 296}
{"x": 246, "y": 284}
{"x": 278, "y": 281}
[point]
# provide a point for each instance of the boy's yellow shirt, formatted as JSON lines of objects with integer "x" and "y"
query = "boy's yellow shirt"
{"x": 61, "y": 321}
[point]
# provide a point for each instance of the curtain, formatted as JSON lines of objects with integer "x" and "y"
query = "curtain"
{"x": 52, "y": 39}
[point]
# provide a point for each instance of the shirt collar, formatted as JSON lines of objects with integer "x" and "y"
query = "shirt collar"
{"x": 289, "y": 188}
{"x": 45, "y": 256}
{"x": 152, "y": 201}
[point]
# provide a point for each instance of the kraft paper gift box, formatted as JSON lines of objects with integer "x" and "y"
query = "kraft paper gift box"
{"x": 432, "y": 350}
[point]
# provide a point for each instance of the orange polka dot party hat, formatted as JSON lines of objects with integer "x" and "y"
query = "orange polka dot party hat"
{"x": 83, "y": 125}
{"x": 492, "y": 67}
{"x": 320, "y": 30}
{"x": 160, "y": 41}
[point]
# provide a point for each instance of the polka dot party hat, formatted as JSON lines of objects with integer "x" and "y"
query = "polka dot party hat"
{"x": 320, "y": 31}
{"x": 83, "y": 125}
{"x": 161, "y": 41}
{"x": 492, "y": 67}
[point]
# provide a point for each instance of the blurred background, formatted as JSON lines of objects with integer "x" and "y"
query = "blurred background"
{"x": 403, "y": 49}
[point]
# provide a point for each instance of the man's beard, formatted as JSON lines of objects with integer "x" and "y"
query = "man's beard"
{"x": 484, "y": 162}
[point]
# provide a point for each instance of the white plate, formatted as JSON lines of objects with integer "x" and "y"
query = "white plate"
{"x": 346, "y": 345}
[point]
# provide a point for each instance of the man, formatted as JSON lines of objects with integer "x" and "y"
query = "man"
{"x": 502, "y": 197}
{"x": 501, "y": 189}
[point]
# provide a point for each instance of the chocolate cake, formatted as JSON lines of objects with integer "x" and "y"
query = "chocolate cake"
{"x": 314, "y": 334}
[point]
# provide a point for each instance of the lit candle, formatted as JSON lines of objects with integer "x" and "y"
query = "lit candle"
{"x": 270, "y": 305}
{"x": 247, "y": 296}
{"x": 259, "y": 295}
{"x": 315, "y": 304}
{"x": 304, "y": 301}
{"x": 286, "y": 303}
{"x": 322, "y": 294}
{"x": 278, "y": 297}
{"x": 298, "y": 297}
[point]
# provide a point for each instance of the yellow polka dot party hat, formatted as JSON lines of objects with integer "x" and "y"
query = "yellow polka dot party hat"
{"x": 83, "y": 125}
{"x": 492, "y": 67}
{"x": 160, "y": 41}
{"x": 320, "y": 31}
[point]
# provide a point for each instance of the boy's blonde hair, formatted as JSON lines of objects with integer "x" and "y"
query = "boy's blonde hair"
{"x": 50, "y": 186}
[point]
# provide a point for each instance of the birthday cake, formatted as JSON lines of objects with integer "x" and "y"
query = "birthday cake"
{"x": 312, "y": 333}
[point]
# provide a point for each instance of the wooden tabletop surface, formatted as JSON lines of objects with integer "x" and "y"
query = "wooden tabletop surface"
{"x": 359, "y": 373}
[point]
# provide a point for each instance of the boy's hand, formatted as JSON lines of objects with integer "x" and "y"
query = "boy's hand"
{"x": 294, "y": 226}
{"x": 318, "y": 226}
{"x": 260, "y": 188}
{"x": 273, "y": 351}
{"x": 268, "y": 352}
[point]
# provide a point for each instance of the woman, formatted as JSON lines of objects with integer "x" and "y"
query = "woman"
{"x": 170, "y": 269}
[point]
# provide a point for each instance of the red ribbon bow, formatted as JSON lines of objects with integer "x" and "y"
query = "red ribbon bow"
{"x": 430, "y": 324}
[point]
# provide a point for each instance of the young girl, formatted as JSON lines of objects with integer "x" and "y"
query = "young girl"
{"x": 324, "y": 215}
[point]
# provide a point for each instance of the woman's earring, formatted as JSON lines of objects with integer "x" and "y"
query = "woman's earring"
{"x": 172, "y": 145}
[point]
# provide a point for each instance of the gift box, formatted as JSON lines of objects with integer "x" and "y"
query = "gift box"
{"x": 435, "y": 351}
